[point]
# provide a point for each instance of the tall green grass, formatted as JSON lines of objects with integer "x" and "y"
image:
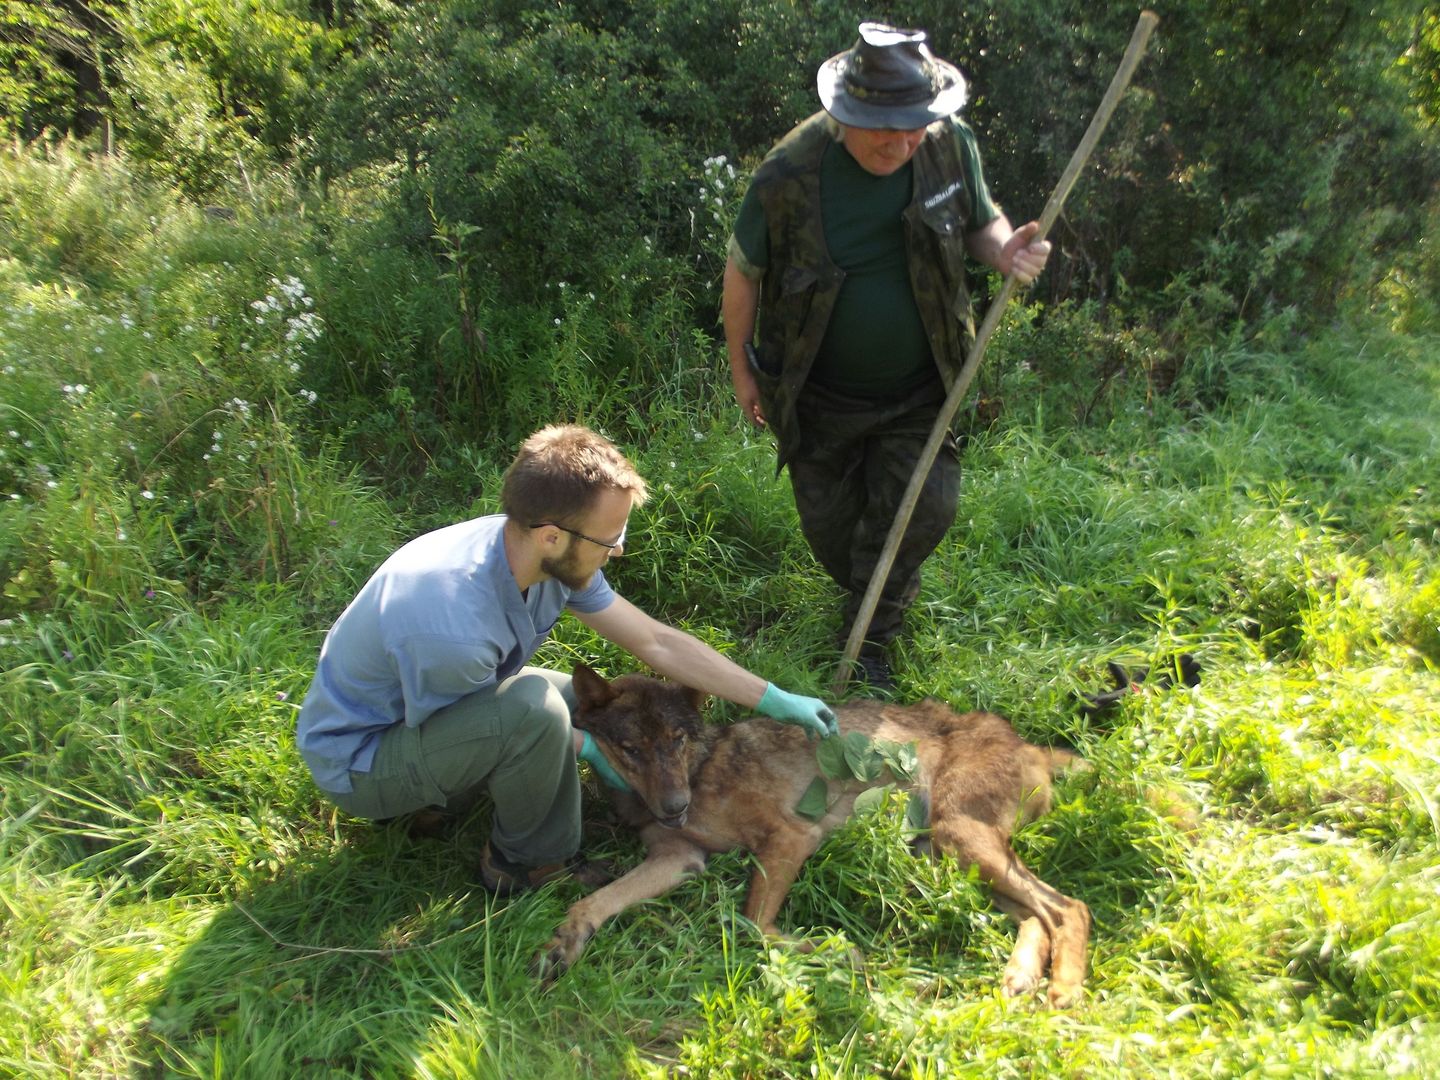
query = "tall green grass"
{"x": 1260, "y": 852}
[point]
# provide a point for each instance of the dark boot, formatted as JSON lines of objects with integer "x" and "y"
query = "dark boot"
{"x": 502, "y": 877}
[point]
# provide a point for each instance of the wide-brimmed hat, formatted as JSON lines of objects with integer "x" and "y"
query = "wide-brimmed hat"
{"x": 889, "y": 79}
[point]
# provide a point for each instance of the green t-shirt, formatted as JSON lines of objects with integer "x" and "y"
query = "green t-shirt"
{"x": 875, "y": 344}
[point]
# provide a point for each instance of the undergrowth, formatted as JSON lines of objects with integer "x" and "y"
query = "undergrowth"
{"x": 184, "y": 512}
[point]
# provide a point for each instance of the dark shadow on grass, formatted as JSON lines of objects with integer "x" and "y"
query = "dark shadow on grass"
{"x": 349, "y": 962}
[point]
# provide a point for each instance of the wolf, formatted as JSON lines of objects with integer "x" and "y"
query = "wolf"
{"x": 699, "y": 789}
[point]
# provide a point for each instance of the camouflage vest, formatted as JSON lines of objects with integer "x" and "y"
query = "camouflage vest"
{"x": 801, "y": 282}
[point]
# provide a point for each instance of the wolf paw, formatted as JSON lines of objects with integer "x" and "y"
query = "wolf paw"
{"x": 560, "y": 953}
{"x": 1063, "y": 997}
{"x": 1019, "y": 984}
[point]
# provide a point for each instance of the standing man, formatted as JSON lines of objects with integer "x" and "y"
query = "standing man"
{"x": 422, "y": 697}
{"x": 851, "y": 242}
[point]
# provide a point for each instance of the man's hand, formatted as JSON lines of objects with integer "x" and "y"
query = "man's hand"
{"x": 1022, "y": 255}
{"x": 738, "y": 306}
{"x": 589, "y": 752}
{"x": 747, "y": 394}
{"x": 810, "y": 713}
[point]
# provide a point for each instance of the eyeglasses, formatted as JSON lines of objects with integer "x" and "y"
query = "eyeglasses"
{"x": 609, "y": 545}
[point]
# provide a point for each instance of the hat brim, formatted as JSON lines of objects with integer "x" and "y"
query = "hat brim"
{"x": 830, "y": 82}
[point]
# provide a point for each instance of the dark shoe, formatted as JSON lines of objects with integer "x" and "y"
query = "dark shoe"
{"x": 502, "y": 877}
{"x": 874, "y": 668}
{"x": 430, "y": 823}
{"x": 424, "y": 824}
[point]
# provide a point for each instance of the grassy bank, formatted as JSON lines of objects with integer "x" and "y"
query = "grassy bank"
{"x": 181, "y": 520}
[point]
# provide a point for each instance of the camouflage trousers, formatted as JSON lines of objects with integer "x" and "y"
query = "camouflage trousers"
{"x": 850, "y": 473}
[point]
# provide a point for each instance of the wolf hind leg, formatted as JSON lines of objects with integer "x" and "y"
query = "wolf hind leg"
{"x": 1030, "y": 958}
{"x": 1053, "y": 926}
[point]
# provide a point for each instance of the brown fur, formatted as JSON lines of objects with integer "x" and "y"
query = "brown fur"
{"x": 699, "y": 789}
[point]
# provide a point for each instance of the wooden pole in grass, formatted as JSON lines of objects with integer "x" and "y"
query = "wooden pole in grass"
{"x": 1133, "y": 52}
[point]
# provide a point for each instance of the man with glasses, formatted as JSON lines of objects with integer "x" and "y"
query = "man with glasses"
{"x": 423, "y": 698}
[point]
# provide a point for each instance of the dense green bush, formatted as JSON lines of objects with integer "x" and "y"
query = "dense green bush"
{"x": 153, "y": 363}
{"x": 525, "y": 128}
{"x": 1262, "y": 149}
{"x": 45, "y": 83}
{"x": 1273, "y": 157}
{"x": 1267, "y": 165}
{"x": 524, "y": 150}
{"x": 523, "y": 211}
{"x": 201, "y": 93}
{"x": 205, "y": 91}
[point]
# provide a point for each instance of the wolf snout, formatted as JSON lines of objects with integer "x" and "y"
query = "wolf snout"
{"x": 674, "y": 809}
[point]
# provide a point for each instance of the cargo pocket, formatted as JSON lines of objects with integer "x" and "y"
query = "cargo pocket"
{"x": 765, "y": 369}
{"x": 459, "y": 746}
{"x": 398, "y": 781}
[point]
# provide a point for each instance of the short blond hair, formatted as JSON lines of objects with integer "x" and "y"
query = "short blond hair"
{"x": 559, "y": 473}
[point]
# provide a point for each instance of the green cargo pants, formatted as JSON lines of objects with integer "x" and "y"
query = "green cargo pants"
{"x": 511, "y": 741}
{"x": 849, "y": 474}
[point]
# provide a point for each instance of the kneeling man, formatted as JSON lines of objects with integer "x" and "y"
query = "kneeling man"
{"x": 423, "y": 698}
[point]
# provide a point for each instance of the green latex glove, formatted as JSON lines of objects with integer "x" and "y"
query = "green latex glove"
{"x": 810, "y": 713}
{"x": 589, "y": 752}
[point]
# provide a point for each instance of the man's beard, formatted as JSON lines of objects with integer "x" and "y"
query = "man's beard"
{"x": 566, "y": 570}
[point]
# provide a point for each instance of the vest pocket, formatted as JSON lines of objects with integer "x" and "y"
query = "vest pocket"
{"x": 765, "y": 370}
{"x": 792, "y": 311}
{"x": 797, "y": 279}
{"x": 947, "y": 232}
{"x": 944, "y": 219}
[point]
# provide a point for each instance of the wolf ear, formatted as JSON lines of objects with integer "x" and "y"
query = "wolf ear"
{"x": 591, "y": 689}
{"x": 695, "y": 697}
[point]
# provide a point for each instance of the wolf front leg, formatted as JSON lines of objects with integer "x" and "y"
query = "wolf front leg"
{"x": 668, "y": 862}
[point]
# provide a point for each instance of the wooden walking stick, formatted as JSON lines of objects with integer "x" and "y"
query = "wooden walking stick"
{"x": 1133, "y": 52}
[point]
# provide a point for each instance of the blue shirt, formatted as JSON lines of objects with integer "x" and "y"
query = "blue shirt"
{"x": 442, "y": 618}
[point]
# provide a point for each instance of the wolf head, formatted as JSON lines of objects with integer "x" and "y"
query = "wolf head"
{"x": 650, "y": 732}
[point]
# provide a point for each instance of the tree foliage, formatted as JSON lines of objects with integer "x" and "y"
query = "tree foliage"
{"x": 48, "y": 74}
{"x": 1421, "y": 63}
{"x": 1269, "y": 162}
{"x": 198, "y": 90}
{"x": 1263, "y": 145}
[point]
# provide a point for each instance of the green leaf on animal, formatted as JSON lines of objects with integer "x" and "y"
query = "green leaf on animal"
{"x": 917, "y": 815}
{"x": 872, "y": 799}
{"x": 872, "y": 767}
{"x": 900, "y": 758}
{"x": 815, "y": 801}
{"x": 860, "y": 756}
{"x": 830, "y": 756}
